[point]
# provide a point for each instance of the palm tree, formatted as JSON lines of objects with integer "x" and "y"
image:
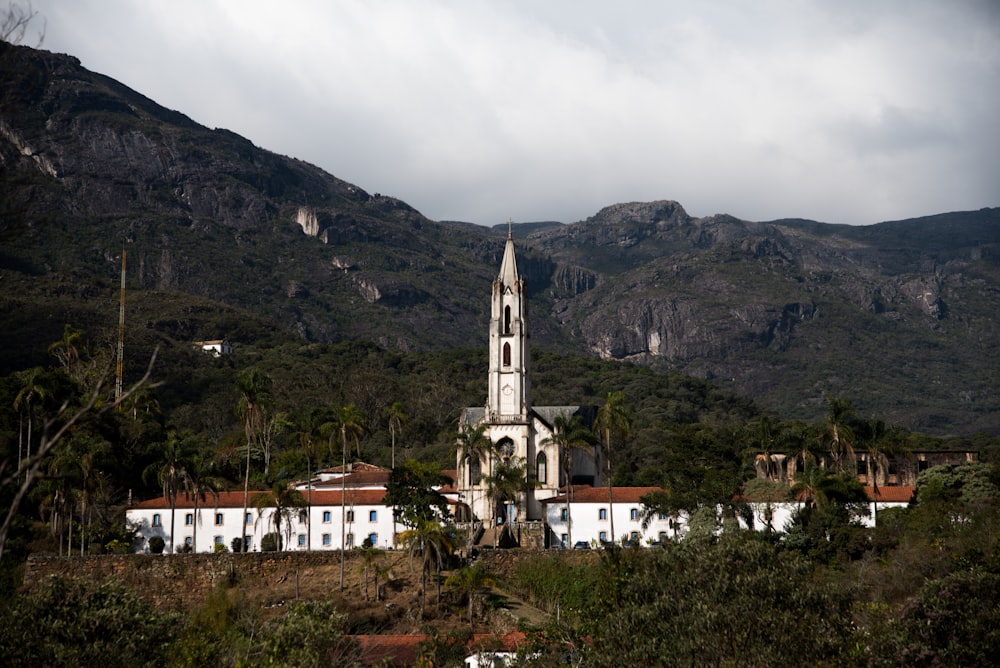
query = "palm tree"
{"x": 471, "y": 581}
{"x": 569, "y": 435}
{"x": 505, "y": 484}
{"x": 31, "y": 389}
{"x": 200, "y": 483}
{"x": 473, "y": 446}
{"x": 285, "y": 500}
{"x": 837, "y": 435}
{"x": 882, "y": 441}
{"x": 170, "y": 472}
{"x": 368, "y": 558}
{"x": 309, "y": 425}
{"x": 397, "y": 420}
{"x": 67, "y": 349}
{"x": 613, "y": 423}
{"x": 254, "y": 387}
{"x": 348, "y": 421}
{"x": 432, "y": 543}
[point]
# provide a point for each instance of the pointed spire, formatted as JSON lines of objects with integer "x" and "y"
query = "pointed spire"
{"x": 508, "y": 267}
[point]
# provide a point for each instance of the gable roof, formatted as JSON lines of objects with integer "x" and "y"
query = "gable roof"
{"x": 588, "y": 494}
{"x": 320, "y": 497}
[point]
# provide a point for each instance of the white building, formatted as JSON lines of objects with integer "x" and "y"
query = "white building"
{"x": 318, "y": 526}
{"x": 591, "y": 517}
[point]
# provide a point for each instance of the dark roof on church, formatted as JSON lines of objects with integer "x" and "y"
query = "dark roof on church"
{"x": 547, "y": 414}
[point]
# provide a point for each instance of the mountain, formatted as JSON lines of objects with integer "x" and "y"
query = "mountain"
{"x": 224, "y": 238}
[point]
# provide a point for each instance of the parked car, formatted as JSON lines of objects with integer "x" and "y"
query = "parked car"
{"x": 581, "y": 545}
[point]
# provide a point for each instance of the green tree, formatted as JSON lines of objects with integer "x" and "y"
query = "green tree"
{"x": 474, "y": 446}
{"x": 471, "y": 581}
{"x": 411, "y": 490}
{"x": 254, "y": 387}
{"x": 614, "y": 423}
{"x": 33, "y": 389}
{"x": 309, "y": 425}
{"x": 349, "y": 422}
{"x": 570, "y": 436}
{"x": 397, "y": 418}
{"x": 837, "y": 435}
{"x": 309, "y": 635}
{"x": 504, "y": 486}
{"x": 431, "y": 543}
{"x": 170, "y": 472}
{"x": 738, "y": 601}
{"x": 201, "y": 483}
{"x": 84, "y": 622}
{"x": 286, "y": 501}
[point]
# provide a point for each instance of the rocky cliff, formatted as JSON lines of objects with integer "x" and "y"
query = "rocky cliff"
{"x": 901, "y": 317}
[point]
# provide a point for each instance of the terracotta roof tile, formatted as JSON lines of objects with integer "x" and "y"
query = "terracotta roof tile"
{"x": 320, "y": 497}
{"x": 588, "y": 494}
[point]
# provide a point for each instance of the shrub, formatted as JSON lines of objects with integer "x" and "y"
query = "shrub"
{"x": 271, "y": 542}
{"x": 156, "y": 545}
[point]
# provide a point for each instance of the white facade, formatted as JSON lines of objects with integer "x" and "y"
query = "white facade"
{"x": 315, "y": 528}
{"x": 591, "y": 515}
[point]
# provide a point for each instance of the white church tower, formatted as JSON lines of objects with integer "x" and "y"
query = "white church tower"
{"x": 509, "y": 398}
{"x": 519, "y": 433}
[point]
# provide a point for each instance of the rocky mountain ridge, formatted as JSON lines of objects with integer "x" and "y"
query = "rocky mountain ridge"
{"x": 225, "y": 238}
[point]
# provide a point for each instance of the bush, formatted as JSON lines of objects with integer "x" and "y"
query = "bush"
{"x": 271, "y": 542}
{"x": 83, "y": 622}
{"x": 156, "y": 545}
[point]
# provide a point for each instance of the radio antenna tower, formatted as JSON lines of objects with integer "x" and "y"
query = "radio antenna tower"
{"x": 121, "y": 339}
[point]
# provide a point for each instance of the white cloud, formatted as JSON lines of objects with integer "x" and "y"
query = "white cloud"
{"x": 846, "y": 112}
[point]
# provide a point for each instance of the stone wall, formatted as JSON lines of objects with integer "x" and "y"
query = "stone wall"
{"x": 179, "y": 581}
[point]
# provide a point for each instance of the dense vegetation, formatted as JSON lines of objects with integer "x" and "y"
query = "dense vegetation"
{"x": 832, "y": 592}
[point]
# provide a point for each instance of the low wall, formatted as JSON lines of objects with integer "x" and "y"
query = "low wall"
{"x": 178, "y": 581}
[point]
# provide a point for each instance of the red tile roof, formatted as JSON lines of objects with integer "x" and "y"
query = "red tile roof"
{"x": 320, "y": 497}
{"x": 894, "y": 494}
{"x": 588, "y": 494}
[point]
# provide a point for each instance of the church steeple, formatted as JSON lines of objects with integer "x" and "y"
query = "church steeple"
{"x": 508, "y": 377}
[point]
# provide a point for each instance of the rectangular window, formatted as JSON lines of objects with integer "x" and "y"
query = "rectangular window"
{"x": 218, "y": 519}
{"x": 634, "y": 537}
{"x": 350, "y": 515}
{"x": 564, "y": 514}
{"x": 157, "y": 521}
{"x": 633, "y": 514}
{"x": 373, "y": 539}
{"x": 188, "y": 519}
{"x": 218, "y": 540}
{"x": 663, "y": 537}
{"x": 662, "y": 516}
{"x": 602, "y": 514}
{"x": 326, "y": 516}
{"x": 603, "y": 536}
{"x": 302, "y": 540}
{"x": 326, "y": 540}
{"x": 303, "y": 518}
{"x": 564, "y": 539}
{"x": 249, "y": 518}
{"x": 373, "y": 516}
{"x": 350, "y": 540}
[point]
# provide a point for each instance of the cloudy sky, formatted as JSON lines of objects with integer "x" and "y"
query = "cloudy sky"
{"x": 844, "y": 112}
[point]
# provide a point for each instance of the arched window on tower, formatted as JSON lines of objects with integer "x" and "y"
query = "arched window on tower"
{"x": 541, "y": 467}
{"x": 506, "y": 320}
{"x": 506, "y": 354}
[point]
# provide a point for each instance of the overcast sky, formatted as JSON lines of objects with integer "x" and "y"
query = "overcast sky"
{"x": 843, "y": 112}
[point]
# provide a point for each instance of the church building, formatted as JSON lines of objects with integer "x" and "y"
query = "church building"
{"x": 519, "y": 433}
